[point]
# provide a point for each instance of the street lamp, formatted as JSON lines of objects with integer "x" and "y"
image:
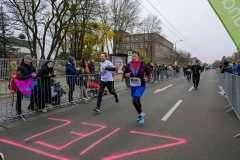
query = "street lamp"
{"x": 175, "y": 49}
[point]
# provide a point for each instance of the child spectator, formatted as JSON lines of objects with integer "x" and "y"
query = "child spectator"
{"x": 56, "y": 92}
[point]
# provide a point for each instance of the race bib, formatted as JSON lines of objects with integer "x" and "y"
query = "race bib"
{"x": 104, "y": 74}
{"x": 189, "y": 70}
{"x": 135, "y": 82}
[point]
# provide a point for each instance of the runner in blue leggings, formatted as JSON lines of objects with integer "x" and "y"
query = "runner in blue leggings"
{"x": 135, "y": 70}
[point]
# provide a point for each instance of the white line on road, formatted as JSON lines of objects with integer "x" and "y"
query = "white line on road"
{"x": 163, "y": 89}
{"x": 171, "y": 110}
{"x": 190, "y": 89}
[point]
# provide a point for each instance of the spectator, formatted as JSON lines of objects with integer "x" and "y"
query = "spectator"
{"x": 158, "y": 72}
{"x": 56, "y": 92}
{"x": 25, "y": 71}
{"x": 45, "y": 74}
{"x": 71, "y": 78}
{"x": 152, "y": 68}
{"x": 114, "y": 73}
{"x": 123, "y": 69}
{"x": 238, "y": 67}
{"x": 230, "y": 64}
{"x": 127, "y": 80}
{"x": 91, "y": 67}
{"x": 221, "y": 65}
{"x": 235, "y": 66}
{"x": 227, "y": 68}
{"x": 82, "y": 80}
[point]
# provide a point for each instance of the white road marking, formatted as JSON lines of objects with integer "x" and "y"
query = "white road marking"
{"x": 163, "y": 89}
{"x": 171, "y": 110}
{"x": 190, "y": 89}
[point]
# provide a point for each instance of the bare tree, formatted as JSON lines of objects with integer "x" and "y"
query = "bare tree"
{"x": 36, "y": 18}
{"x": 124, "y": 14}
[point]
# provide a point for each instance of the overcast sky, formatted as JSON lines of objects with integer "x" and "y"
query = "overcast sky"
{"x": 198, "y": 23}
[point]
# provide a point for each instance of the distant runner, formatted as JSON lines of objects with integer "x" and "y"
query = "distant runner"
{"x": 189, "y": 75}
{"x": 196, "y": 69}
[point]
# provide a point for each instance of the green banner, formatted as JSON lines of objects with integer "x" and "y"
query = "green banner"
{"x": 228, "y": 12}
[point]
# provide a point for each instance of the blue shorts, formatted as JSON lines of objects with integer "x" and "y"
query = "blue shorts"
{"x": 137, "y": 91}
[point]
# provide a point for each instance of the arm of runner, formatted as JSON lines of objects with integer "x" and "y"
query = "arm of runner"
{"x": 109, "y": 69}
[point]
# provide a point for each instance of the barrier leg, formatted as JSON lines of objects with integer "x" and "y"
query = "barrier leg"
{"x": 237, "y": 135}
{"x": 229, "y": 110}
{"x": 22, "y": 117}
{"x": 227, "y": 106}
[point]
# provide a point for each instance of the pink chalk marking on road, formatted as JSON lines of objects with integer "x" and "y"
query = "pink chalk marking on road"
{"x": 181, "y": 141}
{"x": 94, "y": 144}
{"x": 32, "y": 149}
{"x": 52, "y": 128}
{"x": 82, "y": 136}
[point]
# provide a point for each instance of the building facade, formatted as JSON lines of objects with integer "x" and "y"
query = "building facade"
{"x": 156, "y": 47}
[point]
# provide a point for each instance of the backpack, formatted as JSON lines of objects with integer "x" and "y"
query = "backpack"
{"x": 12, "y": 86}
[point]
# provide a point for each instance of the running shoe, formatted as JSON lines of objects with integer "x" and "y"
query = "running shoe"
{"x": 196, "y": 88}
{"x": 96, "y": 109}
{"x": 1, "y": 156}
{"x": 142, "y": 114}
{"x": 117, "y": 99}
{"x": 141, "y": 120}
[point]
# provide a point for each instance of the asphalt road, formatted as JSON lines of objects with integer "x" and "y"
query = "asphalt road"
{"x": 197, "y": 128}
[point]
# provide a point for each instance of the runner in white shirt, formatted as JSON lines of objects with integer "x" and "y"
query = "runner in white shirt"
{"x": 106, "y": 68}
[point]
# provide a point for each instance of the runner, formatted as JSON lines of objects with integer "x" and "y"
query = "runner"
{"x": 196, "y": 69}
{"x": 135, "y": 70}
{"x": 106, "y": 80}
{"x": 185, "y": 71}
{"x": 188, "y": 70}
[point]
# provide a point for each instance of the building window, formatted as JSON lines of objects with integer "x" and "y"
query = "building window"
{"x": 127, "y": 46}
{"x": 132, "y": 46}
{"x": 146, "y": 45}
{"x": 123, "y": 46}
{"x": 137, "y": 38}
{"x": 146, "y": 37}
{"x": 141, "y": 45}
{"x": 127, "y": 38}
{"x": 136, "y": 45}
{"x": 132, "y": 38}
{"x": 141, "y": 37}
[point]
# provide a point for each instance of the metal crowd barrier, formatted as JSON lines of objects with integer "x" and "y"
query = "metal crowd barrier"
{"x": 230, "y": 84}
{"x": 45, "y": 95}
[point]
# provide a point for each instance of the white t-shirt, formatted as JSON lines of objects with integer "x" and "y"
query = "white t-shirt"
{"x": 106, "y": 75}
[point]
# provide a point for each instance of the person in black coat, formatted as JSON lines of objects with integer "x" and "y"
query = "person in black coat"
{"x": 25, "y": 71}
{"x": 45, "y": 74}
{"x": 91, "y": 67}
{"x": 196, "y": 70}
{"x": 227, "y": 68}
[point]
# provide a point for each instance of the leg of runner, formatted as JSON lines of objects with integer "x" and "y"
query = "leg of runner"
{"x": 194, "y": 80}
{"x": 102, "y": 86}
{"x": 136, "y": 93}
{"x": 197, "y": 81}
{"x": 109, "y": 85}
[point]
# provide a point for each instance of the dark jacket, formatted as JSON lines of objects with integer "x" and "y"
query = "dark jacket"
{"x": 150, "y": 68}
{"x": 91, "y": 68}
{"x": 43, "y": 73}
{"x": 71, "y": 73}
{"x": 143, "y": 68}
{"x": 227, "y": 68}
{"x": 24, "y": 71}
{"x": 187, "y": 68}
{"x": 196, "y": 69}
